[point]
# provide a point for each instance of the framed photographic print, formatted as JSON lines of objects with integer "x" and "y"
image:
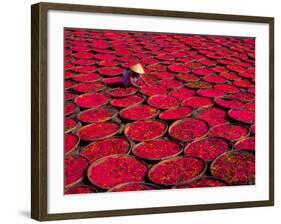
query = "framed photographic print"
{"x": 140, "y": 111}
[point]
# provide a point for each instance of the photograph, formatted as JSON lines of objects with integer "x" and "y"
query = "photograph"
{"x": 141, "y": 111}
{"x": 157, "y": 111}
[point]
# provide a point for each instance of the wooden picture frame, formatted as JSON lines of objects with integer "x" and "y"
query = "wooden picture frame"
{"x": 39, "y": 108}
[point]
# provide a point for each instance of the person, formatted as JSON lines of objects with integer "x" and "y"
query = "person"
{"x": 132, "y": 75}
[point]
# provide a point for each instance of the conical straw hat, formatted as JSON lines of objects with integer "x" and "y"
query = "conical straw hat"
{"x": 137, "y": 68}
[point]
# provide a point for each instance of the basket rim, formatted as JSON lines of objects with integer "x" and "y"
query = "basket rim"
{"x": 85, "y": 74}
{"x": 85, "y": 148}
{"x": 88, "y": 94}
{"x": 234, "y": 124}
{"x": 227, "y": 153}
{"x": 95, "y": 139}
{"x": 76, "y": 181}
{"x": 74, "y": 147}
{"x": 127, "y": 126}
{"x": 173, "y": 109}
{"x": 241, "y": 140}
{"x": 203, "y": 177}
{"x": 183, "y": 120}
{"x": 104, "y": 67}
{"x": 176, "y": 158}
{"x": 97, "y": 162}
{"x": 81, "y": 185}
{"x": 240, "y": 120}
{"x": 162, "y": 95}
{"x": 192, "y": 97}
{"x": 157, "y": 159}
{"x": 95, "y": 109}
{"x": 139, "y": 105}
{"x": 112, "y": 89}
{"x": 231, "y": 100}
{"x": 229, "y": 144}
{"x": 198, "y": 81}
{"x": 154, "y": 186}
